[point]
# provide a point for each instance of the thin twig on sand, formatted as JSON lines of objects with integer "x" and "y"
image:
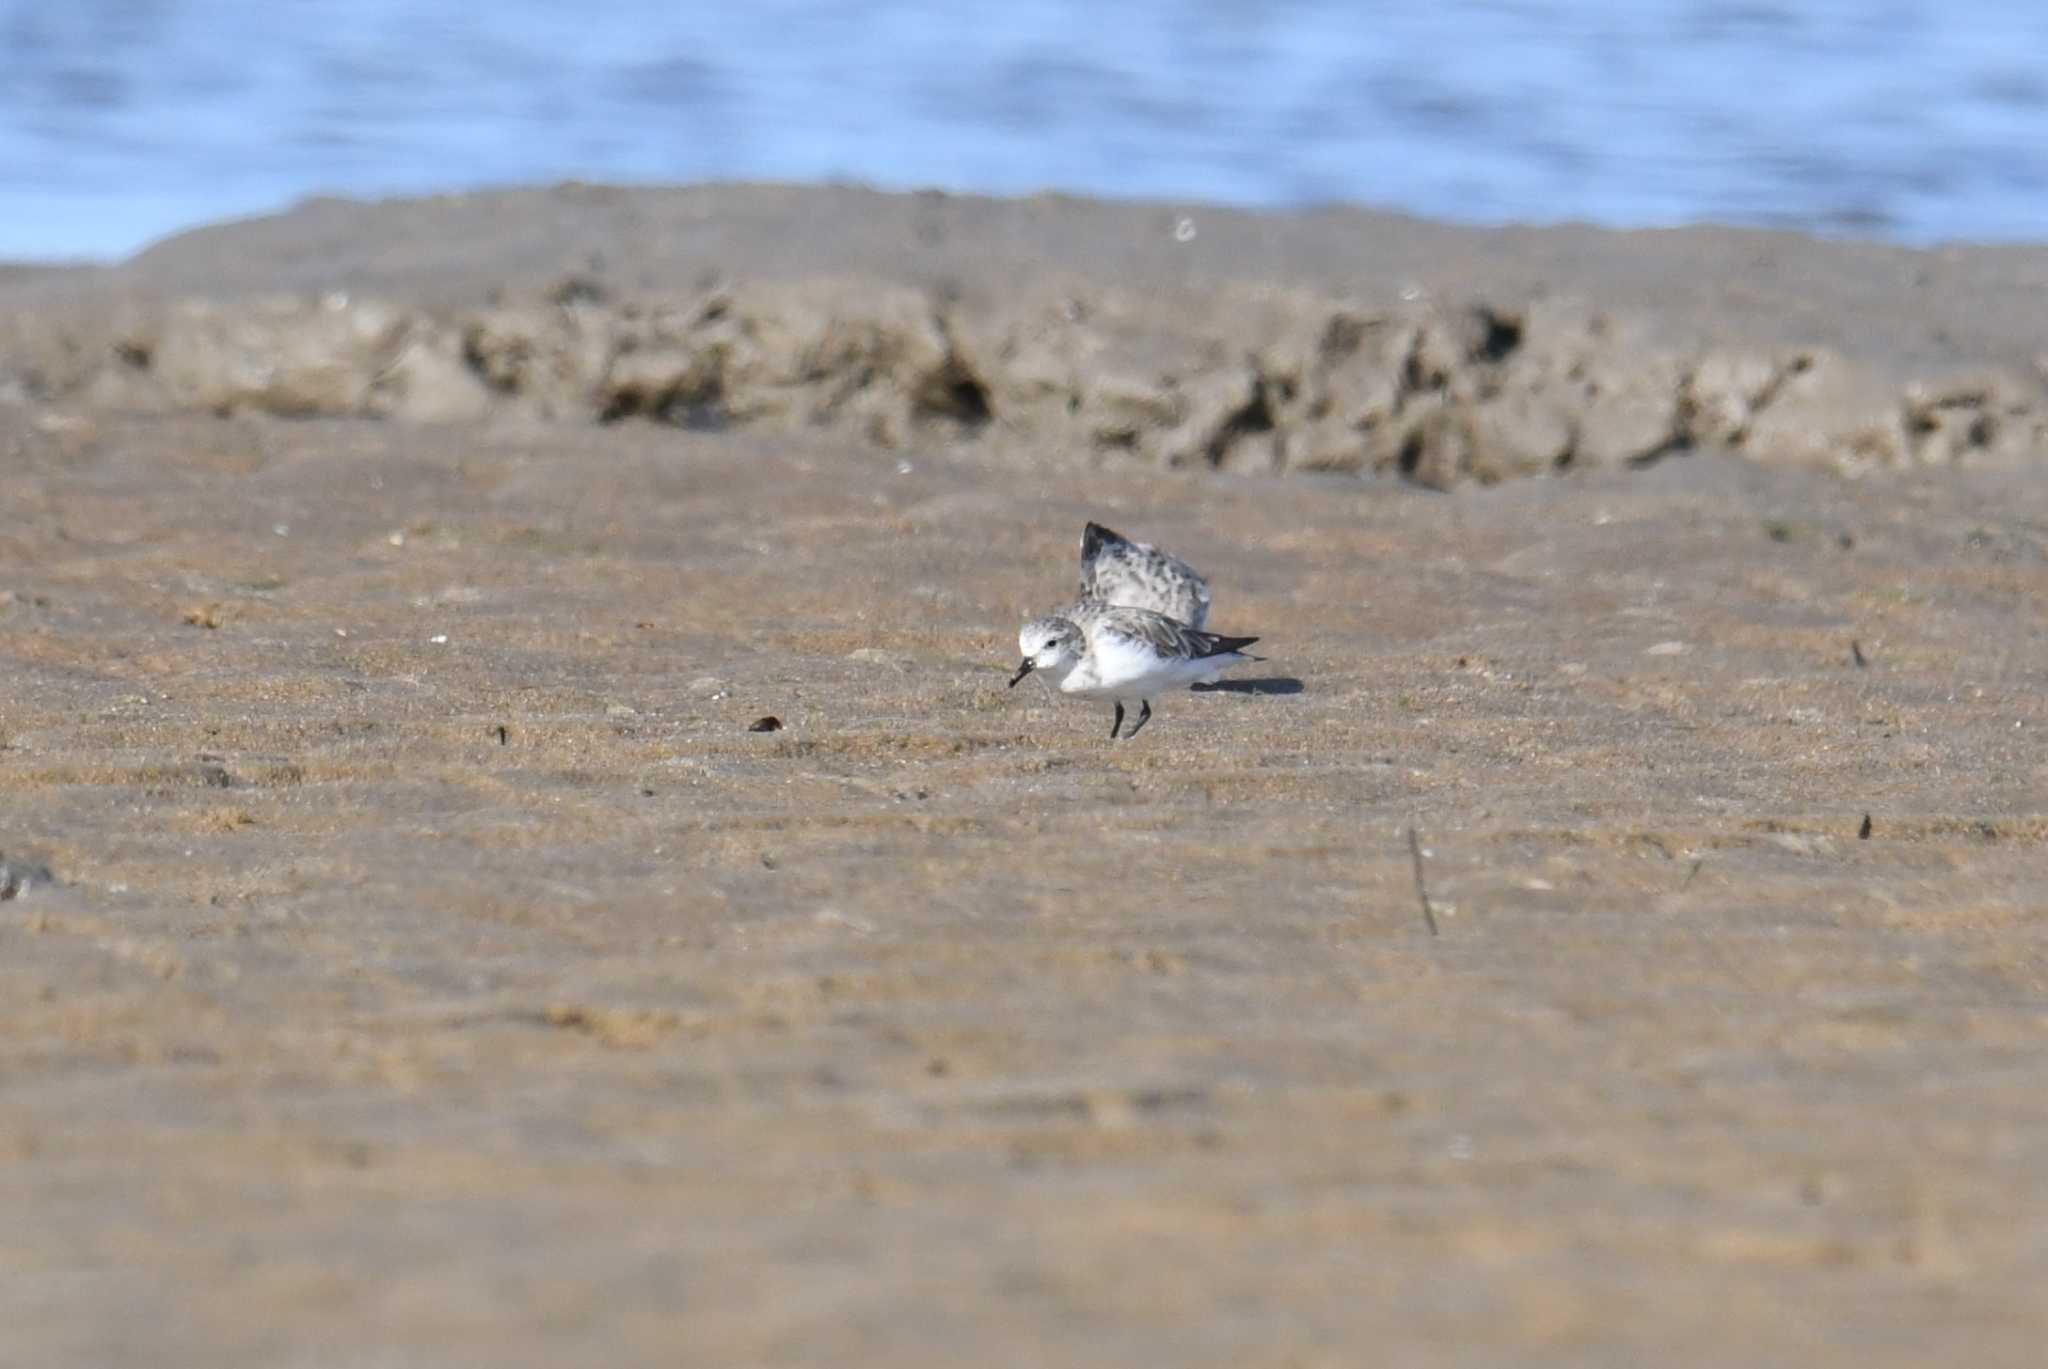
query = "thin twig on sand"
{"x": 1421, "y": 888}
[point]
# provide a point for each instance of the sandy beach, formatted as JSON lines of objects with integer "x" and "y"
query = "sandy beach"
{"x": 409, "y": 954}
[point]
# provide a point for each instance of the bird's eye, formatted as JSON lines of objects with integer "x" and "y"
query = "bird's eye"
{"x": 1049, "y": 646}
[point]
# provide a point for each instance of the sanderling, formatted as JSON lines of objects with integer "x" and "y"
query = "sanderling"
{"x": 1123, "y": 654}
{"x": 1116, "y": 570}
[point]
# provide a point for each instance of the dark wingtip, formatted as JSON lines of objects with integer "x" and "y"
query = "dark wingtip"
{"x": 1224, "y": 644}
{"x": 1095, "y": 537}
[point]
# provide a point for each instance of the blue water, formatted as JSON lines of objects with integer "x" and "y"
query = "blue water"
{"x": 124, "y": 120}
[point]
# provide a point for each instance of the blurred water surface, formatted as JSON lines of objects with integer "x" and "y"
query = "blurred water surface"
{"x": 123, "y": 120}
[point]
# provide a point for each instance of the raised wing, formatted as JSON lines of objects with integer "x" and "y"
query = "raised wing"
{"x": 1116, "y": 570}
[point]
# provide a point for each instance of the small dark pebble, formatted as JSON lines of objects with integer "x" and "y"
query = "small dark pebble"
{"x": 1863, "y": 832}
{"x": 771, "y": 723}
{"x": 1856, "y": 655}
{"x": 504, "y": 734}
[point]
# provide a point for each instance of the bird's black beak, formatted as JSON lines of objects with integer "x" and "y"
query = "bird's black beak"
{"x": 1022, "y": 671}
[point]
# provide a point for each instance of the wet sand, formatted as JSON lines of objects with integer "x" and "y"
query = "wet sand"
{"x": 441, "y": 971}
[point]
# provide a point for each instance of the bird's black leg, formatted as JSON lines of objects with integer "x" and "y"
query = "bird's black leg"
{"x": 1119, "y": 720}
{"x": 1144, "y": 716}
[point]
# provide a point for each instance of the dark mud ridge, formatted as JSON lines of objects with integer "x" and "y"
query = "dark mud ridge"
{"x": 1227, "y": 375}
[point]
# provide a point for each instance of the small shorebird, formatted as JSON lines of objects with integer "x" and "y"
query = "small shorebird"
{"x": 1127, "y": 655}
{"x": 1115, "y": 570}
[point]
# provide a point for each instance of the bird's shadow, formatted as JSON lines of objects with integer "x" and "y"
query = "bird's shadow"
{"x": 1278, "y": 684}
